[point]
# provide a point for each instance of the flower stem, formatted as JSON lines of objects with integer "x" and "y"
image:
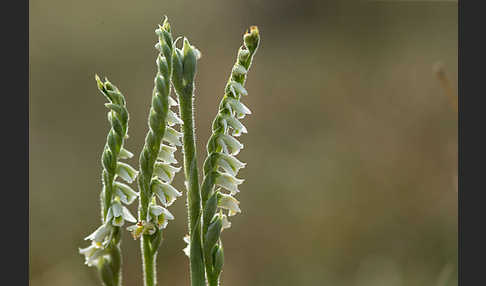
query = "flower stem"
{"x": 194, "y": 196}
{"x": 150, "y": 276}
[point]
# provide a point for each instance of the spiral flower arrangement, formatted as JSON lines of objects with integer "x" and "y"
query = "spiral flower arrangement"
{"x": 156, "y": 171}
{"x": 221, "y": 166}
{"x": 104, "y": 251}
{"x": 208, "y": 205}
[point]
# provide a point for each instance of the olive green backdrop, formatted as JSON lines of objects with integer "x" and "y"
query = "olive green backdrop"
{"x": 351, "y": 151}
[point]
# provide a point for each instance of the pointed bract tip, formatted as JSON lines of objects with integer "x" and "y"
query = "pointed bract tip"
{"x": 166, "y": 24}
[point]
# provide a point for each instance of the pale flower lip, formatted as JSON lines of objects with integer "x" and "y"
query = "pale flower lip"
{"x": 173, "y": 119}
{"x": 172, "y": 136}
{"x": 129, "y": 193}
{"x": 126, "y": 172}
{"x": 229, "y": 144}
{"x": 165, "y": 171}
{"x": 228, "y": 182}
{"x": 166, "y": 193}
{"x": 226, "y": 222}
{"x": 100, "y": 233}
{"x": 92, "y": 253}
{"x": 230, "y": 163}
{"x": 234, "y": 123}
{"x": 238, "y": 107}
{"x": 187, "y": 249}
{"x": 125, "y": 154}
{"x": 166, "y": 154}
{"x": 228, "y": 202}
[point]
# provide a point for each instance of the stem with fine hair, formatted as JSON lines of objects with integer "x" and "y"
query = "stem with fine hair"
{"x": 184, "y": 71}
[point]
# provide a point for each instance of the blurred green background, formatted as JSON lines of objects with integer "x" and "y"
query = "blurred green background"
{"x": 351, "y": 151}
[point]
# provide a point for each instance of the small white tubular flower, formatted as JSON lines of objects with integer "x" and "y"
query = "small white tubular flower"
{"x": 238, "y": 87}
{"x": 173, "y": 119}
{"x": 172, "y": 102}
{"x": 126, "y": 193}
{"x": 165, "y": 172}
{"x": 226, "y": 222}
{"x": 228, "y": 182}
{"x": 92, "y": 254}
{"x": 187, "y": 249}
{"x": 172, "y": 136}
{"x": 229, "y": 163}
{"x": 166, "y": 154}
{"x": 120, "y": 213}
{"x": 239, "y": 70}
{"x": 166, "y": 193}
{"x": 141, "y": 228}
{"x": 161, "y": 215}
{"x": 99, "y": 235}
{"x": 126, "y": 172}
{"x": 125, "y": 154}
{"x": 230, "y": 203}
{"x": 229, "y": 144}
{"x": 237, "y": 107}
{"x": 234, "y": 123}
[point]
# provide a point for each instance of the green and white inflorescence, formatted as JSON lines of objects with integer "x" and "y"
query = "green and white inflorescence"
{"x": 220, "y": 184}
{"x": 156, "y": 159}
{"x": 104, "y": 251}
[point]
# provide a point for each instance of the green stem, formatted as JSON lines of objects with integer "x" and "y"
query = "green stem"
{"x": 150, "y": 276}
{"x": 194, "y": 196}
{"x": 148, "y": 256}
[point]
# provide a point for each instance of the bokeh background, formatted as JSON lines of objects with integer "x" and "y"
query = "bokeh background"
{"x": 351, "y": 151}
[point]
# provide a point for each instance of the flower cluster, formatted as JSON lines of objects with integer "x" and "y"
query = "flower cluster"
{"x": 157, "y": 171}
{"x": 104, "y": 250}
{"x": 220, "y": 183}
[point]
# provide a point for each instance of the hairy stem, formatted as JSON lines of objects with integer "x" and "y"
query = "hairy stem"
{"x": 194, "y": 196}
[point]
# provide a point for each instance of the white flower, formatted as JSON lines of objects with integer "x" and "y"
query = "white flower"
{"x": 173, "y": 119}
{"x": 166, "y": 154}
{"x": 229, "y": 144}
{"x": 125, "y": 154}
{"x": 237, "y": 107}
{"x": 161, "y": 215}
{"x": 119, "y": 213}
{"x": 234, "y": 123}
{"x": 140, "y": 228}
{"x": 226, "y": 222}
{"x": 126, "y": 193}
{"x": 238, "y": 69}
{"x": 99, "y": 235}
{"x": 172, "y": 102}
{"x": 166, "y": 193}
{"x": 165, "y": 172}
{"x": 229, "y": 163}
{"x": 238, "y": 87}
{"x": 230, "y": 203}
{"x": 92, "y": 254}
{"x": 228, "y": 182}
{"x": 187, "y": 249}
{"x": 126, "y": 172}
{"x": 172, "y": 136}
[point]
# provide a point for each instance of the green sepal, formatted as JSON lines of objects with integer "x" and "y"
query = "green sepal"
{"x": 218, "y": 258}
{"x": 106, "y": 272}
{"x": 114, "y": 141}
{"x": 109, "y": 163}
{"x": 189, "y": 62}
{"x": 209, "y": 211}
{"x": 212, "y": 235}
